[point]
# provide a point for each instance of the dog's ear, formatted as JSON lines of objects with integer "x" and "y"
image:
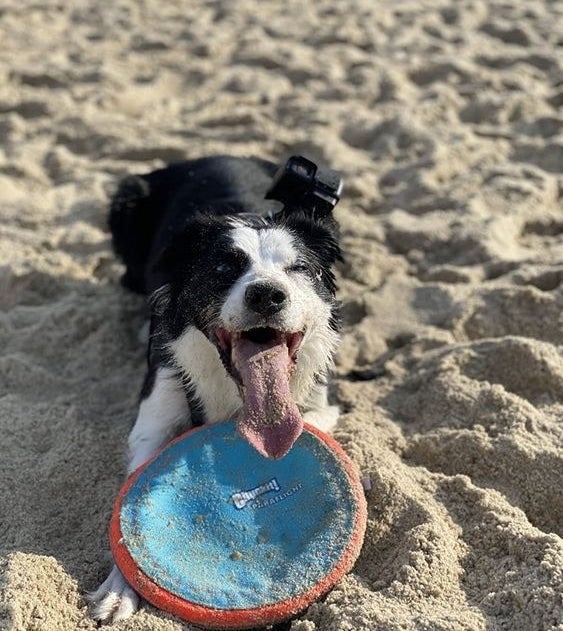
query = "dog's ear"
{"x": 160, "y": 299}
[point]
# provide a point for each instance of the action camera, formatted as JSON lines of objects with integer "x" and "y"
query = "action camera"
{"x": 301, "y": 183}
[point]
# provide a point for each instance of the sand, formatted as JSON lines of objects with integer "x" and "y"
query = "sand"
{"x": 443, "y": 116}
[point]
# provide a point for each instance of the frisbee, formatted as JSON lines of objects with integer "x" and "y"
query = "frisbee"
{"x": 223, "y": 537}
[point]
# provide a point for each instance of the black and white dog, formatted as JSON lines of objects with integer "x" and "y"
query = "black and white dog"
{"x": 244, "y": 320}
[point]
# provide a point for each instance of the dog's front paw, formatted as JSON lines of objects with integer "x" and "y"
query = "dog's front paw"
{"x": 323, "y": 418}
{"x": 114, "y": 600}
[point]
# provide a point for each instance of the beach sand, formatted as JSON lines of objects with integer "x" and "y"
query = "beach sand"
{"x": 443, "y": 117}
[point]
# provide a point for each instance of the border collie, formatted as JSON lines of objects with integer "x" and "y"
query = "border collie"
{"x": 243, "y": 315}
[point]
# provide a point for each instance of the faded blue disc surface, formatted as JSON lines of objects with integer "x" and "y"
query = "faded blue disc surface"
{"x": 219, "y": 525}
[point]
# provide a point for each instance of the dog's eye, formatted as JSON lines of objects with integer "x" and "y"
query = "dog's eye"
{"x": 298, "y": 267}
{"x": 224, "y": 268}
{"x": 232, "y": 262}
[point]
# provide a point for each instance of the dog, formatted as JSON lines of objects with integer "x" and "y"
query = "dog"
{"x": 243, "y": 315}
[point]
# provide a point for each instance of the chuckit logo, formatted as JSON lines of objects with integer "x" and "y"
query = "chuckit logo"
{"x": 242, "y": 498}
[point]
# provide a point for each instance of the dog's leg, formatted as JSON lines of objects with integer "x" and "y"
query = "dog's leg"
{"x": 159, "y": 413}
{"x": 114, "y": 600}
{"x": 318, "y": 411}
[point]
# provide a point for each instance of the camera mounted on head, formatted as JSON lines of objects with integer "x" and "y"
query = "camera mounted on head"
{"x": 300, "y": 183}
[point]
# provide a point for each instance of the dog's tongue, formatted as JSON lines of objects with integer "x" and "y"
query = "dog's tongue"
{"x": 269, "y": 420}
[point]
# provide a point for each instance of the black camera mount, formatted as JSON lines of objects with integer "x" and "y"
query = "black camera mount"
{"x": 301, "y": 183}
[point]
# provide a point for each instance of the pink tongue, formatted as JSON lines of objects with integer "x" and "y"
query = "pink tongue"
{"x": 269, "y": 420}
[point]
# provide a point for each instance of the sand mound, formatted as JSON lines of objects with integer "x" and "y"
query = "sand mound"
{"x": 445, "y": 118}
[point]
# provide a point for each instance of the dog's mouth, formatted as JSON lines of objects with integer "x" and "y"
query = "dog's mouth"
{"x": 261, "y": 361}
{"x": 265, "y": 337}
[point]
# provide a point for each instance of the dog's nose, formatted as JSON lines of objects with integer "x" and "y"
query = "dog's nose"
{"x": 265, "y": 298}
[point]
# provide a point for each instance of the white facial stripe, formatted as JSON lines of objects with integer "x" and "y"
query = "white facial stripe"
{"x": 268, "y": 248}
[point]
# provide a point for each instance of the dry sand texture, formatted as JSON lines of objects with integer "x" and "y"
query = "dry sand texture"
{"x": 444, "y": 117}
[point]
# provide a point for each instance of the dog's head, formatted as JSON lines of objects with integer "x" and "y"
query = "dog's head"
{"x": 262, "y": 292}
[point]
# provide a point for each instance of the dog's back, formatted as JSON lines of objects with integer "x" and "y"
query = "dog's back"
{"x": 147, "y": 208}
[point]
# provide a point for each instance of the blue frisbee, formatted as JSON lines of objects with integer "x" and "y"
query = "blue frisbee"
{"x": 219, "y": 535}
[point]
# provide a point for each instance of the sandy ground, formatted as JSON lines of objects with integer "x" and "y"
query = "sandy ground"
{"x": 443, "y": 116}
